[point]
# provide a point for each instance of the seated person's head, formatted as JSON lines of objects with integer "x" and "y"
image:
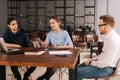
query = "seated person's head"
{"x": 12, "y": 24}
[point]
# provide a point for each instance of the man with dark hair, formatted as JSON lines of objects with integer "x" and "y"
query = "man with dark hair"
{"x": 14, "y": 38}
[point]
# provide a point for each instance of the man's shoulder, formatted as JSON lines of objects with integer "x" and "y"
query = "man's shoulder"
{"x": 21, "y": 31}
{"x": 7, "y": 33}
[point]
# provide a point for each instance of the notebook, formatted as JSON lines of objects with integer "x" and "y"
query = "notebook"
{"x": 9, "y": 51}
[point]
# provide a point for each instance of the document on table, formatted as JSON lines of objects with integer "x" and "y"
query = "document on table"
{"x": 60, "y": 52}
{"x": 34, "y": 53}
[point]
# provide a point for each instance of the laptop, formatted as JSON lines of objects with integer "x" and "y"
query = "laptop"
{"x": 9, "y": 51}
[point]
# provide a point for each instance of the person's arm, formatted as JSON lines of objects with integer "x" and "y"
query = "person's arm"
{"x": 63, "y": 47}
{"x": 88, "y": 61}
{"x": 68, "y": 42}
{"x": 43, "y": 44}
{"x": 12, "y": 45}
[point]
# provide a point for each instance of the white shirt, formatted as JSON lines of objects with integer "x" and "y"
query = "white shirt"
{"x": 111, "y": 51}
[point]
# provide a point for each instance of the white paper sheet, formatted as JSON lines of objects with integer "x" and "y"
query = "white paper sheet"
{"x": 40, "y": 52}
{"x": 34, "y": 53}
{"x": 60, "y": 52}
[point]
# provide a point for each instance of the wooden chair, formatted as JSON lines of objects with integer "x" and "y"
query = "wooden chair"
{"x": 35, "y": 40}
{"x": 90, "y": 38}
{"x": 116, "y": 72}
{"x": 61, "y": 71}
{"x": 79, "y": 41}
{"x": 96, "y": 48}
{"x": 100, "y": 46}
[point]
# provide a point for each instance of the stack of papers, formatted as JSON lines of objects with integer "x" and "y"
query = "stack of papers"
{"x": 60, "y": 52}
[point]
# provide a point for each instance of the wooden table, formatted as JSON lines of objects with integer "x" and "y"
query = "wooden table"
{"x": 44, "y": 60}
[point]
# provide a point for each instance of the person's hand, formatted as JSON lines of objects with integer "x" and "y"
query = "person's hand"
{"x": 87, "y": 62}
{"x": 58, "y": 47}
{"x": 43, "y": 44}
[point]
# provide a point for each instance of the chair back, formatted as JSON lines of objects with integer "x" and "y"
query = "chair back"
{"x": 117, "y": 70}
{"x": 81, "y": 38}
{"x": 35, "y": 40}
{"x": 91, "y": 37}
{"x": 78, "y": 38}
{"x": 79, "y": 41}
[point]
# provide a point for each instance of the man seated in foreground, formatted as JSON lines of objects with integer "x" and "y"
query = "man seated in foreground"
{"x": 104, "y": 64}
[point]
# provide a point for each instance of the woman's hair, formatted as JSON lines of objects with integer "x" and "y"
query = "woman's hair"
{"x": 58, "y": 19}
{"x": 108, "y": 19}
{"x": 10, "y": 20}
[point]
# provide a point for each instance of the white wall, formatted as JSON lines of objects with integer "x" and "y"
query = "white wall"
{"x": 101, "y": 9}
{"x": 112, "y": 9}
{"x": 114, "y": 6}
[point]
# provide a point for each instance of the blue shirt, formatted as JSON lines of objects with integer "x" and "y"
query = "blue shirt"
{"x": 61, "y": 38}
{"x": 20, "y": 38}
